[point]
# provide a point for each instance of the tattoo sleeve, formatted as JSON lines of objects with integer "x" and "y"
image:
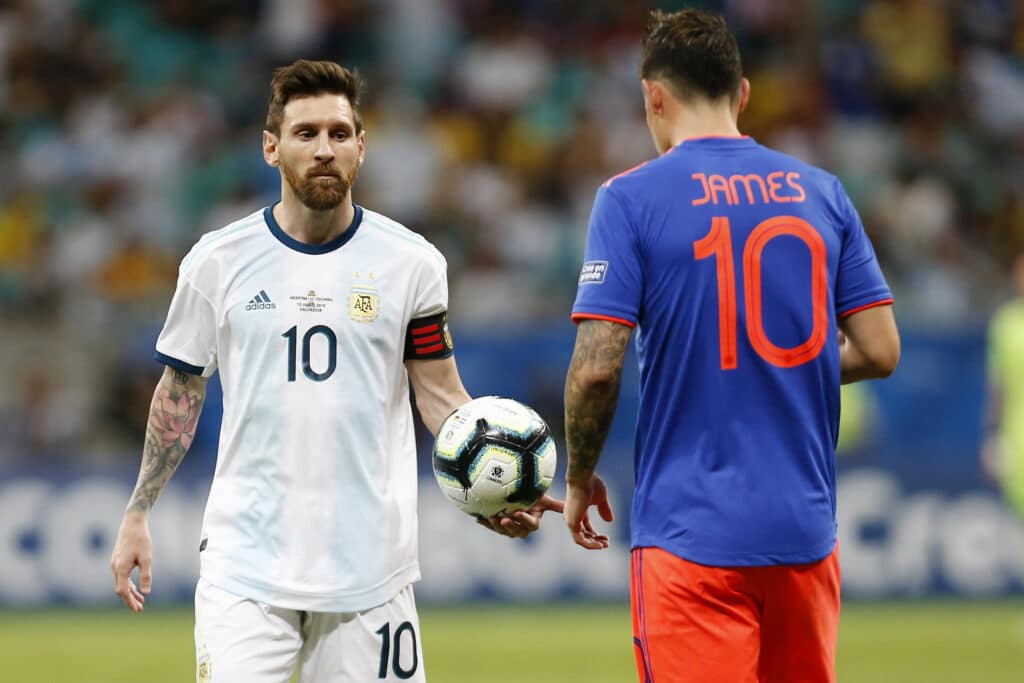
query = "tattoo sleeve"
{"x": 592, "y": 392}
{"x": 173, "y": 416}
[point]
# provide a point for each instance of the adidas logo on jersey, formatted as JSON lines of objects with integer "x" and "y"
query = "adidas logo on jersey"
{"x": 259, "y": 302}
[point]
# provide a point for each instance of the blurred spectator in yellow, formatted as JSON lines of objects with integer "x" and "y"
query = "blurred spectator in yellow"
{"x": 21, "y": 246}
{"x": 913, "y": 42}
{"x": 1003, "y": 449}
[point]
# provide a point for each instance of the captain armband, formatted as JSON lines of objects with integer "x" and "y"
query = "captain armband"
{"x": 428, "y": 338}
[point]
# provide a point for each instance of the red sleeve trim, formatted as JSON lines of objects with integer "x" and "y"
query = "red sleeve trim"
{"x": 578, "y": 317}
{"x": 883, "y": 302}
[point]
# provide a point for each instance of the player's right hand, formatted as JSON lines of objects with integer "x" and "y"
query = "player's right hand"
{"x": 133, "y": 548}
{"x": 579, "y": 496}
{"x": 521, "y": 523}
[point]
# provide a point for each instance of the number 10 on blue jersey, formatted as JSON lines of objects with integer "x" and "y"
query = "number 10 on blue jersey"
{"x": 718, "y": 244}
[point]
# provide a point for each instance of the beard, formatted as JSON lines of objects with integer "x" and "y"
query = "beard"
{"x": 321, "y": 194}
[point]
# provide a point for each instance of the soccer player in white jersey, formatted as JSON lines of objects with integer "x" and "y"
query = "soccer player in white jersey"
{"x": 318, "y": 314}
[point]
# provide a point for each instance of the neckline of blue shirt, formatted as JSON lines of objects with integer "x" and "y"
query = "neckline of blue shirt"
{"x": 717, "y": 141}
{"x": 314, "y": 249}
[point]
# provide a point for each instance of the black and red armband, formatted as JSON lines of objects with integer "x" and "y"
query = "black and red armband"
{"x": 428, "y": 338}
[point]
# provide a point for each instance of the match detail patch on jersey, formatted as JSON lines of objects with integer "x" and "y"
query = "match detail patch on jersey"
{"x": 311, "y": 302}
{"x": 429, "y": 338}
{"x": 363, "y": 304}
{"x": 593, "y": 272}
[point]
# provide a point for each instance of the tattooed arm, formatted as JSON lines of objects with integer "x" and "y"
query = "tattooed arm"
{"x": 591, "y": 394}
{"x": 173, "y": 416}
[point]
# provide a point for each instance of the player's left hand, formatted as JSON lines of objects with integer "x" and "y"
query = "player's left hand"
{"x": 579, "y": 496}
{"x": 521, "y": 523}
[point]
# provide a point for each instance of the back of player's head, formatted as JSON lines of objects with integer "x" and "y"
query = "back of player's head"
{"x": 305, "y": 78}
{"x": 693, "y": 52}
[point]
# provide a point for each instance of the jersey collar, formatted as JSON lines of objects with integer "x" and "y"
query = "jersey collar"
{"x": 292, "y": 243}
{"x": 716, "y": 141}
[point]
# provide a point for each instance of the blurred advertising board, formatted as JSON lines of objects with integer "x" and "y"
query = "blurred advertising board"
{"x": 916, "y": 517}
{"x": 895, "y": 542}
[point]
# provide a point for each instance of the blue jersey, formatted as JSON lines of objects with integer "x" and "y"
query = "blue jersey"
{"x": 733, "y": 262}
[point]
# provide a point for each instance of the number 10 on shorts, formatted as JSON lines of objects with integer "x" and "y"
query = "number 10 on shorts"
{"x": 391, "y": 648}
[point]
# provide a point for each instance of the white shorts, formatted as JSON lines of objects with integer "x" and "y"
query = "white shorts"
{"x": 239, "y": 640}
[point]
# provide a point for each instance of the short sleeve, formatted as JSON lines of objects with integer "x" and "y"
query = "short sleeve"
{"x": 431, "y": 296}
{"x": 610, "y": 285}
{"x": 188, "y": 341}
{"x": 859, "y": 281}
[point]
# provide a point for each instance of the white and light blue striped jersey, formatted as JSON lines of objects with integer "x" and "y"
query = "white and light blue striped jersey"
{"x": 313, "y": 502}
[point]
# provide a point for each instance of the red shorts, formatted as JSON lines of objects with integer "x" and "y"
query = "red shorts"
{"x": 698, "y": 624}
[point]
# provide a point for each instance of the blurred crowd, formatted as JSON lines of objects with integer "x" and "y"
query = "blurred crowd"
{"x": 127, "y": 129}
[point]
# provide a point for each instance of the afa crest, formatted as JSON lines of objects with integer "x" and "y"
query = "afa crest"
{"x": 363, "y": 304}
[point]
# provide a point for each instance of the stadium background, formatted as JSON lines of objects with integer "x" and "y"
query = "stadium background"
{"x": 127, "y": 129}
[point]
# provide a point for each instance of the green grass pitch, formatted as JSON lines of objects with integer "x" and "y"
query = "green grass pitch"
{"x": 946, "y": 642}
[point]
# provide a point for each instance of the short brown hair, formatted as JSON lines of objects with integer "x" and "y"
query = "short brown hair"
{"x": 304, "y": 78}
{"x": 694, "y": 52}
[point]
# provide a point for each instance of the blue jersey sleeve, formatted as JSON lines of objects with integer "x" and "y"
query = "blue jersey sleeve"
{"x": 859, "y": 281}
{"x": 611, "y": 280}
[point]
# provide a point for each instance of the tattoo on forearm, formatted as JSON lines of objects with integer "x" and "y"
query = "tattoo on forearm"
{"x": 589, "y": 405}
{"x": 173, "y": 416}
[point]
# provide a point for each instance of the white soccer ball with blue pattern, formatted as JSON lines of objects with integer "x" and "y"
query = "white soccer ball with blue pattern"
{"x": 494, "y": 455}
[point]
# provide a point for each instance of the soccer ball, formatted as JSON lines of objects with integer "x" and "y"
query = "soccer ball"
{"x": 494, "y": 455}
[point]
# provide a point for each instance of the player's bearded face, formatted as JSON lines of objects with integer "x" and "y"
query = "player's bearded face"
{"x": 322, "y": 187}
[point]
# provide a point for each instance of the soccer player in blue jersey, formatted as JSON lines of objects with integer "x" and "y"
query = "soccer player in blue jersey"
{"x": 754, "y": 293}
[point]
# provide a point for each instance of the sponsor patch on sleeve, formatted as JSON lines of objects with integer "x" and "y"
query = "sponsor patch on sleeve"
{"x": 593, "y": 272}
